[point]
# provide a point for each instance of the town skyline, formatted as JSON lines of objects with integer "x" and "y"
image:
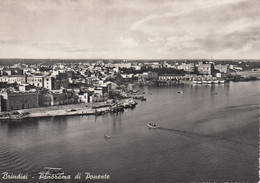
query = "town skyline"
{"x": 75, "y": 29}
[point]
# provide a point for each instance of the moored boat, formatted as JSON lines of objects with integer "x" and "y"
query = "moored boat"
{"x": 17, "y": 117}
{"x": 222, "y": 81}
{"x": 197, "y": 82}
{"x": 52, "y": 171}
{"x": 4, "y": 117}
{"x": 205, "y": 82}
{"x": 100, "y": 112}
{"x": 215, "y": 81}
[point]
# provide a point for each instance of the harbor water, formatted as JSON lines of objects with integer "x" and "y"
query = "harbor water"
{"x": 208, "y": 133}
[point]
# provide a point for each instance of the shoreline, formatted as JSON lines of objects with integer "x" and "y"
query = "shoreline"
{"x": 98, "y": 108}
{"x": 69, "y": 110}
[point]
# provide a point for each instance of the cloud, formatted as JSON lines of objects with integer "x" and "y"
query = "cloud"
{"x": 127, "y": 42}
{"x": 116, "y": 28}
{"x": 49, "y": 45}
{"x": 210, "y": 28}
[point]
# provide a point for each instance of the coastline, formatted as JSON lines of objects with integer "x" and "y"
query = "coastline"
{"x": 98, "y": 108}
{"x": 69, "y": 110}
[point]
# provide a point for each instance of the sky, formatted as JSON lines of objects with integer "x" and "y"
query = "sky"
{"x": 130, "y": 29}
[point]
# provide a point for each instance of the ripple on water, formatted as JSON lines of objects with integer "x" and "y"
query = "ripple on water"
{"x": 11, "y": 162}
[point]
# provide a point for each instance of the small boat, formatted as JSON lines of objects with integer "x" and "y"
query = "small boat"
{"x": 204, "y": 81}
{"x": 52, "y": 171}
{"x": 107, "y": 137}
{"x": 222, "y": 81}
{"x": 17, "y": 117}
{"x": 215, "y": 81}
{"x": 131, "y": 106}
{"x": 98, "y": 113}
{"x": 197, "y": 82}
{"x": 151, "y": 125}
{"x": 182, "y": 91}
{"x": 143, "y": 99}
{"x": 3, "y": 117}
{"x": 71, "y": 110}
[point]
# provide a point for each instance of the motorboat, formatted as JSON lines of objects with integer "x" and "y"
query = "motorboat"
{"x": 151, "y": 125}
{"x": 107, "y": 137}
{"x": 182, "y": 91}
{"x": 52, "y": 171}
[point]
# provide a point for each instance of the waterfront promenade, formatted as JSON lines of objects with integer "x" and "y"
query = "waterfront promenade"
{"x": 68, "y": 110}
{"x": 61, "y": 110}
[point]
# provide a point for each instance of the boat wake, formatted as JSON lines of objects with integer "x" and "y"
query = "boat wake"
{"x": 182, "y": 132}
{"x": 200, "y": 136}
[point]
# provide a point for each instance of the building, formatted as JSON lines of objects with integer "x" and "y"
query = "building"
{"x": 85, "y": 96}
{"x": 165, "y": 77}
{"x": 19, "y": 100}
{"x": 56, "y": 82}
{"x": 11, "y": 71}
{"x": 187, "y": 67}
{"x": 26, "y": 87}
{"x": 143, "y": 76}
{"x": 152, "y": 75}
{"x": 58, "y": 97}
{"x": 37, "y": 81}
{"x": 205, "y": 68}
{"x": 123, "y": 65}
{"x": 223, "y": 68}
{"x": 19, "y": 79}
{"x": 136, "y": 67}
